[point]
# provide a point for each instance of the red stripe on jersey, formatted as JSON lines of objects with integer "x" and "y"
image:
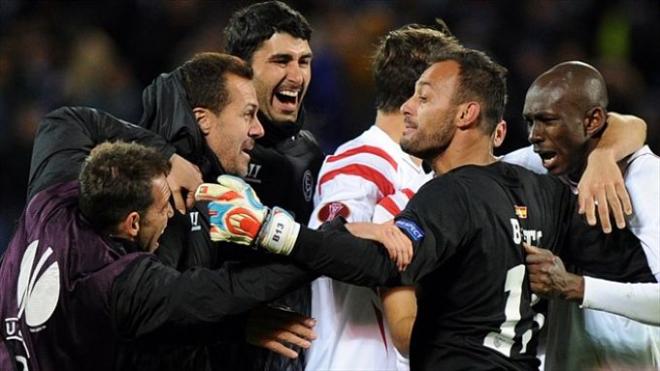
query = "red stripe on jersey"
{"x": 408, "y": 192}
{"x": 363, "y": 171}
{"x": 388, "y": 204}
{"x": 365, "y": 149}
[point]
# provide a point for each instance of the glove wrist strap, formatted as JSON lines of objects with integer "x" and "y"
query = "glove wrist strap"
{"x": 279, "y": 232}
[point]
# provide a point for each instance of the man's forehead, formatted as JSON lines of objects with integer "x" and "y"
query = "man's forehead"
{"x": 543, "y": 95}
{"x": 285, "y": 43}
{"x": 160, "y": 187}
{"x": 239, "y": 86}
{"x": 439, "y": 74}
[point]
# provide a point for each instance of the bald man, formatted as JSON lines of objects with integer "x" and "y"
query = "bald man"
{"x": 566, "y": 110}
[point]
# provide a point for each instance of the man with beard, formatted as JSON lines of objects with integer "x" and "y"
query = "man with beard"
{"x": 274, "y": 40}
{"x": 366, "y": 180}
{"x": 467, "y": 226}
{"x": 565, "y": 109}
{"x": 134, "y": 312}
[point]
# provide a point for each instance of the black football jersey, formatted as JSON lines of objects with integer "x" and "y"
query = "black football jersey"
{"x": 474, "y": 299}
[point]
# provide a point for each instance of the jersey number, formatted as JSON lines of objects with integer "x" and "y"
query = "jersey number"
{"x": 503, "y": 340}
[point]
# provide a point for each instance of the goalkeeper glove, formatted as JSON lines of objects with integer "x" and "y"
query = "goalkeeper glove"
{"x": 236, "y": 215}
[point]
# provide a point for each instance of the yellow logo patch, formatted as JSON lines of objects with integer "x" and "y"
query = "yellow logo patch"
{"x": 521, "y": 211}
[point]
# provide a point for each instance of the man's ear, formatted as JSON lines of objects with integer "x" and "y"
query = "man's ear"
{"x": 130, "y": 226}
{"x": 202, "y": 117}
{"x": 467, "y": 115}
{"x": 594, "y": 121}
{"x": 499, "y": 134}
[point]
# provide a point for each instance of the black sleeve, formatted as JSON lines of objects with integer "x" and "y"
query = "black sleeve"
{"x": 434, "y": 221}
{"x": 437, "y": 220}
{"x": 151, "y": 300}
{"x": 336, "y": 253}
{"x": 67, "y": 135}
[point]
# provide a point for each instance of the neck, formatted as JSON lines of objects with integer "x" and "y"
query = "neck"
{"x": 469, "y": 147}
{"x": 392, "y": 124}
{"x": 276, "y": 132}
{"x": 581, "y": 165}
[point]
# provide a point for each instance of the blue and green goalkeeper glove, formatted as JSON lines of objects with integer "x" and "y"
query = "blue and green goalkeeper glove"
{"x": 236, "y": 215}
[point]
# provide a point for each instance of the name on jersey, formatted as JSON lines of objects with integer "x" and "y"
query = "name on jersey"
{"x": 530, "y": 236}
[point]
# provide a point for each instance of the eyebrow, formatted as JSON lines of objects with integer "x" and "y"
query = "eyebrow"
{"x": 288, "y": 56}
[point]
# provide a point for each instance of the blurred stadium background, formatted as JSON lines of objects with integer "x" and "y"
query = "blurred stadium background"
{"x": 102, "y": 54}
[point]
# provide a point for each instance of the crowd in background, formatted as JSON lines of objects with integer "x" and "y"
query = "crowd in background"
{"x": 102, "y": 54}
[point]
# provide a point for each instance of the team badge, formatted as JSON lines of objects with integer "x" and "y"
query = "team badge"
{"x": 332, "y": 210}
{"x": 521, "y": 211}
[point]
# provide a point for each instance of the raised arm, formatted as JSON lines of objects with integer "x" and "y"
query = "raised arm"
{"x": 602, "y": 181}
{"x": 67, "y": 135}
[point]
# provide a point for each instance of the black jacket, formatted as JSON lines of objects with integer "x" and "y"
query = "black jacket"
{"x": 284, "y": 167}
{"x": 283, "y": 171}
{"x": 186, "y": 242}
{"x": 161, "y": 316}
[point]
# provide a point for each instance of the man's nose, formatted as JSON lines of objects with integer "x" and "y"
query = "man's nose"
{"x": 535, "y": 133}
{"x": 294, "y": 72}
{"x": 256, "y": 130}
{"x": 407, "y": 107}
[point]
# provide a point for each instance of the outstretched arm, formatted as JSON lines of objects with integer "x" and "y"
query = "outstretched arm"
{"x": 602, "y": 181}
{"x": 548, "y": 277}
{"x": 390, "y": 236}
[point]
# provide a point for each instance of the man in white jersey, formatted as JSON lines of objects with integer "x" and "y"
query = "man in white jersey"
{"x": 369, "y": 178}
{"x": 565, "y": 109}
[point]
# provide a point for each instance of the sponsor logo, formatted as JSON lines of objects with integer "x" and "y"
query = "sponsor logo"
{"x": 521, "y": 211}
{"x": 253, "y": 173}
{"x": 37, "y": 294}
{"x": 194, "y": 221}
{"x": 332, "y": 210}
{"x": 411, "y": 228}
{"x": 307, "y": 185}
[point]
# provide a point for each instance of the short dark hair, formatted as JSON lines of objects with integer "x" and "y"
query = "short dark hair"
{"x": 116, "y": 179}
{"x": 480, "y": 79}
{"x": 205, "y": 79}
{"x": 249, "y": 27}
{"x": 401, "y": 57}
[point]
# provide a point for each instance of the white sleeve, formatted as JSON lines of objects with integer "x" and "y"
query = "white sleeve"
{"x": 642, "y": 180}
{"x": 351, "y": 187}
{"x": 637, "y": 301}
{"x": 526, "y": 158}
{"x": 390, "y": 206}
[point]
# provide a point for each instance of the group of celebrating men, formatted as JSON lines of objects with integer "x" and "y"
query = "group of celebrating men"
{"x": 424, "y": 251}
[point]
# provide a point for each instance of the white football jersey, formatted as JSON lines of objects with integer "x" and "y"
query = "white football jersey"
{"x": 601, "y": 340}
{"x": 369, "y": 178}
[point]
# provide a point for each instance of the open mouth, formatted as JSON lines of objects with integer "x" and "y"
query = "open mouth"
{"x": 547, "y": 157}
{"x": 247, "y": 147}
{"x": 288, "y": 98}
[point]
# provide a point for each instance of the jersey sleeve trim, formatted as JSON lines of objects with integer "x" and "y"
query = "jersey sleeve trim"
{"x": 388, "y": 204}
{"x": 365, "y": 149}
{"x": 367, "y": 173}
